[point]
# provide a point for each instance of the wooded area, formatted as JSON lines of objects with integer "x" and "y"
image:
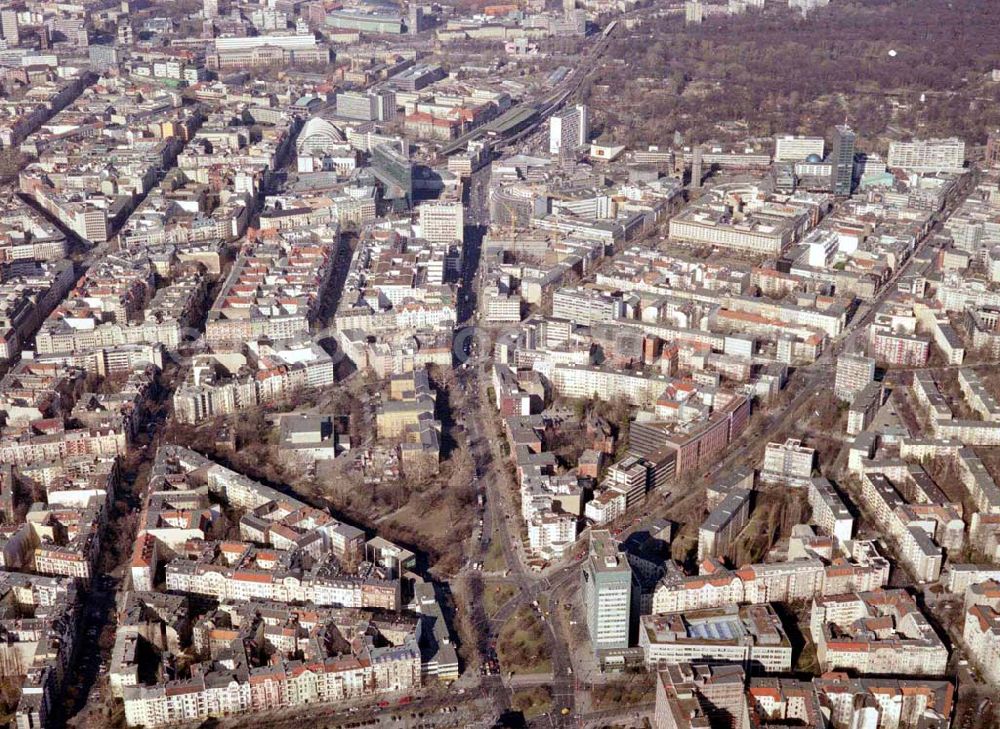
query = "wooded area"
{"x": 784, "y": 73}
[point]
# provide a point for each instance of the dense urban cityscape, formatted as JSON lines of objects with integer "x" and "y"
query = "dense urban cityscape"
{"x": 552, "y": 363}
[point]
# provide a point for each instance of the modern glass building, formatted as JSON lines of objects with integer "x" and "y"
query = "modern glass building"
{"x": 394, "y": 171}
{"x": 842, "y": 158}
{"x": 607, "y": 593}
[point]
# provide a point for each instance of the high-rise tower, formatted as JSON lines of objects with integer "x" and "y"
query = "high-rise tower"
{"x": 842, "y": 160}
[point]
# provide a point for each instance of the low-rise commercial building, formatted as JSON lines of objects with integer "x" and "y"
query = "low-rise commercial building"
{"x": 752, "y": 636}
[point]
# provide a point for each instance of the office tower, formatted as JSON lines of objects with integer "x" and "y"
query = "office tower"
{"x": 568, "y": 129}
{"x": 8, "y": 24}
{"x": 928, "y": 155}
{"x": 842, "y": 160}
{"x": 66, "y": 27}
{"x": 696, "y": 168}
{"x": 607, "y": 592}
{"x": 807, "y": 5}
{"x": 854, "y": 373}
{"x": 693, "y": 12}
{"x": 356, "y": 105}
{"x": 103, "y": 58}
{"x": 367, "y": 106}
{"x": 442, "y": 222}
{"x": 573, "y": 22}
{"x": 993, "y": 149}
{"x": 788, "y": 148}
{"x": 385, "y": 105}
{"x": 415, "y": 19}
{"x": 210, "y": 9}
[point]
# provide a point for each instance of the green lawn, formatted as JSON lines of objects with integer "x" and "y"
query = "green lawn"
{"x": 532, "y": 702}
{"x": 495, "y": 595}
{"x": 494, "y": 561}
{"x": 521, "y": 645}
{"x": 638, "y": 689}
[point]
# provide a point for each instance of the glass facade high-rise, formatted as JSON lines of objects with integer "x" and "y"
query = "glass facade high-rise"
{"x": 842, "y": 159}
{"x": 607, "y": 593}
{"x": 394, "y": 171}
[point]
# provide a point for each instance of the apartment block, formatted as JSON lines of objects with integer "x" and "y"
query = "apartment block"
{"x": 981, "y": 631}
{"x": 894, "y": 341}
{"x": 586, "y": 306}
{"x": 796, "y": 579}
{"x": 29, "y": 291}
{"x": 864, "y": 407}
{"x": 880, "y": 632}
{"x": 922, "y": 526}
{"x": 978, "y": 396}
{"x": 854, "y": 373}
{"x": 701, "y": 694}
{"x": 789, "y": 462}
{"x": 266, "y": 372}
{"x": 551, "y": 535}
{"x": 274, "y": 289}
{"x": 841, "y": 702}
{"x": 741, "y": 477}
{"x": 719, "y": 531}
{"x": 384, "y": 657}
{"x": 605, "y": 507}
{"x": 830, "y": 511}
{"x": 585, "y": 381}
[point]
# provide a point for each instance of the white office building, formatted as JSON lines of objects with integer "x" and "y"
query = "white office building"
{"x": 928, "y": 155}
{"x": 789, "y": 148}
{"x": 568, "y": 129}
{"x": 442, "y": 222}
{"x": 367, "y": 106}
{"x": 607, "y": 592}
